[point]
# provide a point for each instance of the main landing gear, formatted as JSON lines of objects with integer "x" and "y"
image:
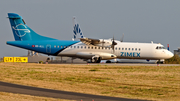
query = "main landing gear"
{"x": 96, "y": 59}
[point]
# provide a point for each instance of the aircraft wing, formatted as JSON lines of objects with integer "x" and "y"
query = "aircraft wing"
{"x": 89, "y": 41}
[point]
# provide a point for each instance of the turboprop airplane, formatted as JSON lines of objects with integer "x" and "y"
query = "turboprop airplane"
{"x": 26, "y": 38}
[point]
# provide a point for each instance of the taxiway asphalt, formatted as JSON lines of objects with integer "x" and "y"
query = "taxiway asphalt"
{"x": 35, "y": 91}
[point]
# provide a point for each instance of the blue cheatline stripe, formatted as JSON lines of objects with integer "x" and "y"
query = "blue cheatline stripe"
{"x": 54, "y": 51}
{"x": 63, "y": 49}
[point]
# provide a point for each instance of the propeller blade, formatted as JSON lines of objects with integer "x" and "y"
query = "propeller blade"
{"x": 113, "y": 44}
{"x": 113, "y": 48}
{"x": 122, "y": 38}
{"x": 103, "y": 43}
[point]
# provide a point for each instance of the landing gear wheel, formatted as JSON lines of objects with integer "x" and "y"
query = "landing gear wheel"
{"x": 99, "y": 60}
{"x": 94, "y": 60}
{"x": 108, "y": 61}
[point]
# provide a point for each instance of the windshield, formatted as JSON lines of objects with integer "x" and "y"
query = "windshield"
{"x": 160, "y": 47}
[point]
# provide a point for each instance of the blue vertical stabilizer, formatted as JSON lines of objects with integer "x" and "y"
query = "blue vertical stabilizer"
{"x": 21, "y": 31}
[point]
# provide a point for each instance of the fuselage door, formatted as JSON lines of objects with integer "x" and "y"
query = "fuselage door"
{"x": 48, "y": 48}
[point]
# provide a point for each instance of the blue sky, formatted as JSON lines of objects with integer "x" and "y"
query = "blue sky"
{"x": 139, "y": 20}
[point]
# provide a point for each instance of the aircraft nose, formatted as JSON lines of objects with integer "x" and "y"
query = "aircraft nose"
{"x": 170, "y": 54}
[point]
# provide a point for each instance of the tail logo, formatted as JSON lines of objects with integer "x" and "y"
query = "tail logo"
{"x": 21, "y": 30}
{"x": 77, "y": 30}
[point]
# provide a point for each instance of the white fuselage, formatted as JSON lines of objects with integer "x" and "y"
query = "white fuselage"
{"x": 123, "y": 50}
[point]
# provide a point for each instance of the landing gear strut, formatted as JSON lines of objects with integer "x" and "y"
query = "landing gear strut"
{"x": 161, "y": 61}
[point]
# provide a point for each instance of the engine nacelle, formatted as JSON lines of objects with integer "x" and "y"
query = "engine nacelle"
{"x": 90, "y": 55}
{"x": 104, "y": 43}
{"x": 107, "y": 56}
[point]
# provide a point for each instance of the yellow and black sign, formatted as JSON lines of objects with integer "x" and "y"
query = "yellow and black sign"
{"x": 20, "y": 59}
{"x": 8, "y": 59}
{"x": 15, "y": 59}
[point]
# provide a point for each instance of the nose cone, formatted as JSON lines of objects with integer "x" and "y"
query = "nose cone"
{"x": 170, "y": 54}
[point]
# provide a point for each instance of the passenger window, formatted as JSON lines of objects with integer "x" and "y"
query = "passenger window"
{"x": 85, "y": 47}
{"x": 64, "y": 46}
{"x": 58, "y": 46}
{"x": 136, "y": 49}
{"x": 91, "y": 47}
{"x": 77, "y": 46}
{"x": 129, "y": 48}
{"x": 122, "y": 48}
{"x": 61, "y": 47}
{"x": 74, "y": 46}
{"x": 99, "y": 47}
{"x": 132, "y": 48}
{"x": 81, "y": 46}
{"x": 125, "y": 48}
{"x": 54, "y": 46}
{"x": 95, "y": 47}
{"x": 88, "y": 47}
{"x": 119, "y": 48}
{"x": 116, "y": 48}
{"x": 139, "y": 49}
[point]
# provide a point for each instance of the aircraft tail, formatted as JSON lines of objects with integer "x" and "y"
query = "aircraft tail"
{"x": 21, "y": 31}
{"x": 77, "y": 30}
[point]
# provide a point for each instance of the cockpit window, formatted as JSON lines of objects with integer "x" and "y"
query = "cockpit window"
{"x": 160, "y": 47}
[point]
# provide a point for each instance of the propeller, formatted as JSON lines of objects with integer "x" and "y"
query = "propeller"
{"x": 103, "y": 43}
{"x": 113, "y": 44}
{"x": 121, "y": 39}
